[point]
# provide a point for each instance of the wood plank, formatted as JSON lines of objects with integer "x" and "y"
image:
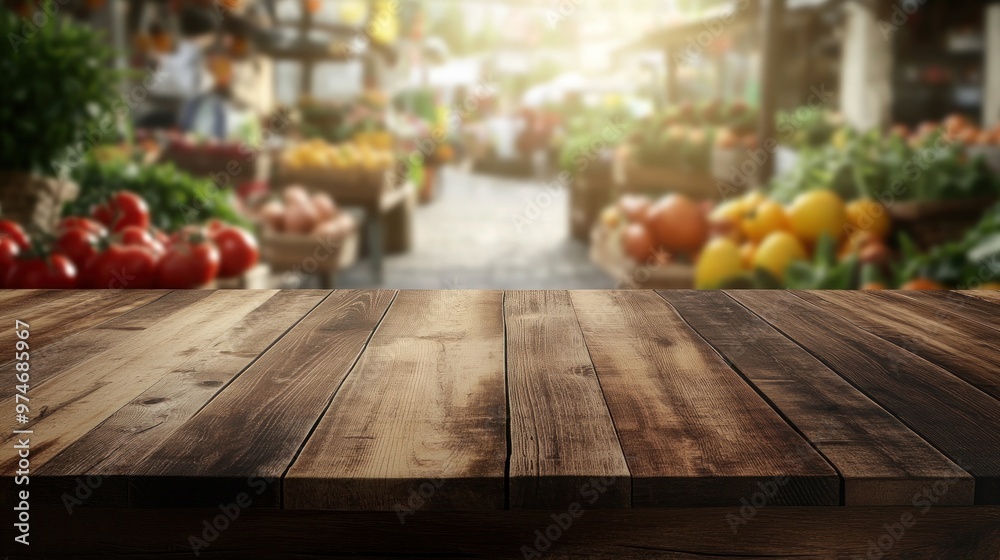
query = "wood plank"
{"x": 943, "y": 303}
{"x": 248, "y": 435}
{"x": 62, "y": 313}
{"x": 561, "y": 433}
{"x": 12, "y": 299}
{"x": 132, "y": 432}
{"x": 694, "y": 433}
{"x": 15, "y": 300}
{"x": 60, "y": 356}
{"x": 965, "y": 348}
{"x": 958, "y": 419}
{"x": 992, "y": 296}
{"x": 73, "y": 403}
{"x": 421, "y": 421}
{"x": 805, "y": 533}
{"x": 881, "y": 461}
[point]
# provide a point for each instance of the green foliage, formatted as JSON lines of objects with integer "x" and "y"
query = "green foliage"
{"x": 825, "y": 272}
{"x": 588, "y": 135}
{"x": 972, "y": 261}
{"x": 58, "y": 89}
{"x": 890, "y": 169}
{"x": 806, "y": 127}
{"x": 175, "y": 199}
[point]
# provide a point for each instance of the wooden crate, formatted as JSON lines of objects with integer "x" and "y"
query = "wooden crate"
{"x": 606, "y": 253}
{"x": 305, "y": 253}
{"x": 589, "y": 193}
{"x": 633, "y": 177}
{"x": 348, "y": 187}
{"x": 935, "y": 222}
{"x": 225, "y": 168}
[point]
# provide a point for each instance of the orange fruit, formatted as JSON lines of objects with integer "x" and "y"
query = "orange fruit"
{"x": 869, "y": 216}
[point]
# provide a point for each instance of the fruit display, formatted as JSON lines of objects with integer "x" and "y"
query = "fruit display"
{"x": 787, "y": 242}
{"x": 300, "y": 213}
{"x": 336, "y": 122}
{"x": 313, "y": 155}
{"x": 116, "y": 246}
{"x": 671, "y": 230}
{"x": 306, "y": 233}
{"x": 682, "y": 137}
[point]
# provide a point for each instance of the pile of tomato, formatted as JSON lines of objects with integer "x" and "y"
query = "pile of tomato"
{"x": 116, "y": 247}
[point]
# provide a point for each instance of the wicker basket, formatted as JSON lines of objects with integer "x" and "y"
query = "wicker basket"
{"x": 941, "y": 221}
{"x": 34, "y": 201}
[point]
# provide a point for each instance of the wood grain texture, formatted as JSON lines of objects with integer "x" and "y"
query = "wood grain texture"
{"x": 111, "y": 449}
{"x": 694, "y": 433}
{"x": 11, "y": 300}
{"x": 421, "y": 421}
{"x": 943, "y": 303}
{"x": 74, "y": 402}
{"x": 54, "y": 316}
{"x": 803, "y": 533}
{"x": 965, "y": 348}
{"x": 958, "y": 419}
{"x": 992, "y": 296}
{"x": 246, "y": 437}
{"x": 60, "y": 356}
{"x": 880, "y": 460}
{"x": 561, "y": 432}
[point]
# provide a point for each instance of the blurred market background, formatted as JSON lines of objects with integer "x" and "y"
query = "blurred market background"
{"x": 500, "y": 144}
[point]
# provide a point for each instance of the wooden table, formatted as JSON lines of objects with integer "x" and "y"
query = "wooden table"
{"x": 519, "y": 424}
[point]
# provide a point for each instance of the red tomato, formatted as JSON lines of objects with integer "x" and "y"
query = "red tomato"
{"x": 238, "y": 251}
{"x": 134, "y": 235}
{"x": 163, "y": 238}
{"x": 122, "y": 210}
{"x": 121, "y": 266}
{"x": 77, "y": 244}
{"x": 75, "y": 222}
{"x": 191, "y": 262}
{"x": 54, "y": 272}
{"x": 13, "y": 230}
{"x": 9, "y": 250}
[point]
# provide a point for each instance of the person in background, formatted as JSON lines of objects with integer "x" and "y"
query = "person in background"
{"x": 182, "y": 69}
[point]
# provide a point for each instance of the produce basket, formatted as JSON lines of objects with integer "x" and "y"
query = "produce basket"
{"x": 226, "y": 165}
{"x": 935, "y": 222}
{"x": 606, "y": 253}
{"x": 308, "y": 254}
{"x": 32, "y": 200}
{"x": 633, "y": 177}
{"x": 319, "y": 179}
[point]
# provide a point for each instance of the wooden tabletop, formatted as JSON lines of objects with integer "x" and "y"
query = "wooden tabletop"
{"x": 490, "y": 400}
